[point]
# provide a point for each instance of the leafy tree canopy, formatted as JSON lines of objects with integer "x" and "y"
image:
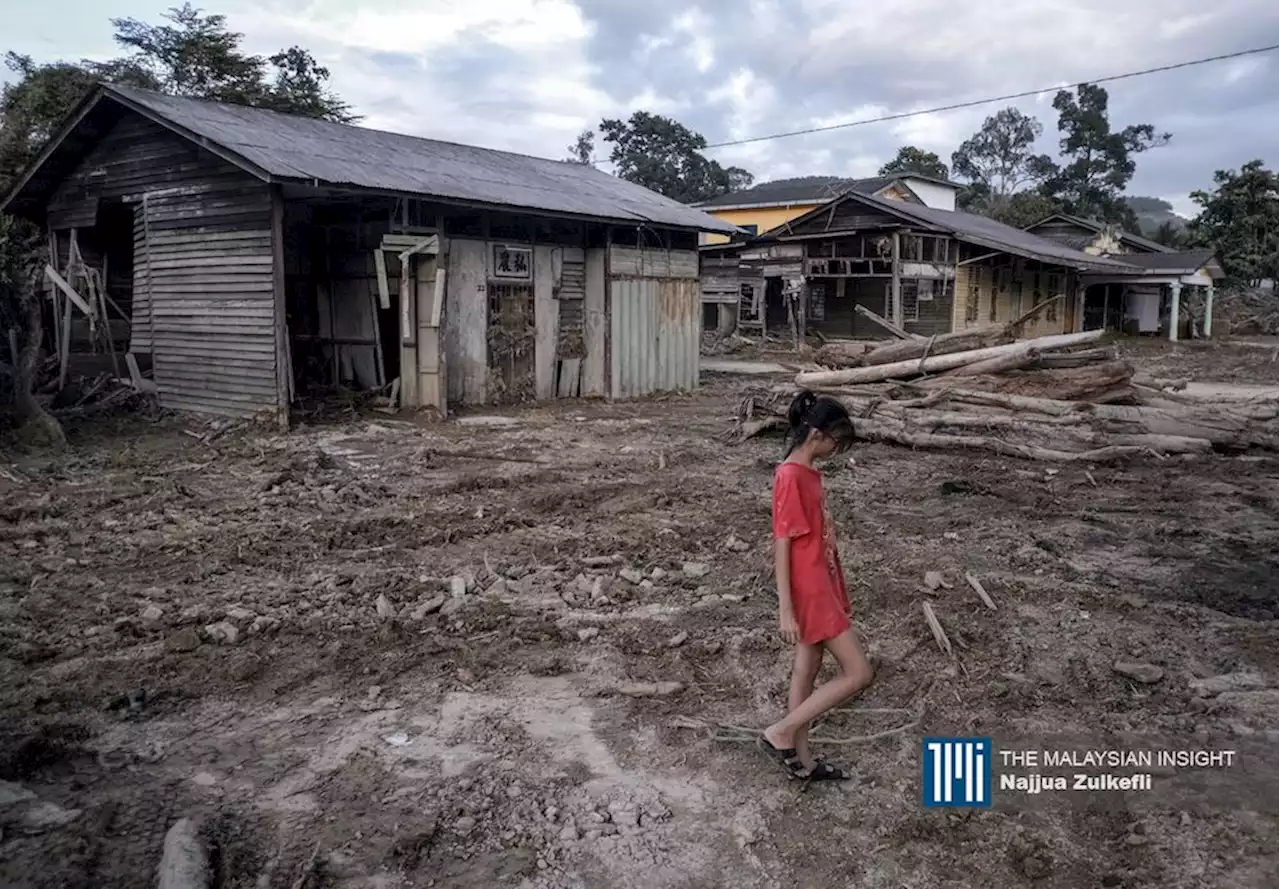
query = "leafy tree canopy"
{"x": 1238, "y": 218}
{"x": 664, "y": 155}
{"x": 910, "y": 159}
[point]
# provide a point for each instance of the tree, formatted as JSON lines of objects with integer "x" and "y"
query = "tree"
{"x": 664, "y": 155}
{"x": 1169, "y": 234}
{"x": 998, "y": 162}
{"x": 1097, "y": 163}
{"x": 195, "y": 55}
{"x": 583, "y": 148}
{"x": 1238, "y": 219}
{"x": 910, "y": 159}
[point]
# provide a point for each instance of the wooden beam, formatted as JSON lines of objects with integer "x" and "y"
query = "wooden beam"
{"x": 895, "y": 286}
{"x": 284, "y": 372}
{"x": 61, "y": 283}
{"x": 384, "y": 289}
{"x": 886, "y": 324}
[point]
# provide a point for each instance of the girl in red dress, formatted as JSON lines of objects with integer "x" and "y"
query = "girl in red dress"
{"x": 813, "y": 604}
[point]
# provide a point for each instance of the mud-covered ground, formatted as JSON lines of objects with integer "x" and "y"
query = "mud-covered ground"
{"x": 375, "y": 653}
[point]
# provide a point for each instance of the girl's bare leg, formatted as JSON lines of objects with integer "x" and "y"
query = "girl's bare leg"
{"x": 804, "y": 672}
{"x": 855, "y": 675}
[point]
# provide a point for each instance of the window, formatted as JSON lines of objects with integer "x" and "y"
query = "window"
{"x": 751, "y": 230}
{"x": 1055, "y": 290}
{"x": 910, "y": 300}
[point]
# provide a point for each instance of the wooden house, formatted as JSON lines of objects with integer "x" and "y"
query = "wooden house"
{"x": 249, "y": 256}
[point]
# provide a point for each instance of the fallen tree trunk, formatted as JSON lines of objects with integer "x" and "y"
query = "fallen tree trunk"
{"x": 842, "y": 353}
{"x": 942, "y": 344}
{"x": 1068, "y": 384}
{"x": 1058, "y": 360}
{"x": 887, "y": 324}
{"x": 937, "y": 363}
{"x": 1000, "y": 364}
{"x": 900, "y": 434}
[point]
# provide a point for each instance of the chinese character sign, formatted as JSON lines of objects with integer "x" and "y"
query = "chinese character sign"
{"x": 512, "y": 262}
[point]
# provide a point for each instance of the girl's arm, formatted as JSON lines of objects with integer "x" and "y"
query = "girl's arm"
{"x": 782, "y": 574}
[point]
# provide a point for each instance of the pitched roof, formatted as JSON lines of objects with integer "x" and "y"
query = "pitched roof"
{"x": 981, "y": 231}
{"x": 286, "y": 148}
{"x": 1187, "y": 262}
{"x": 798, "y": 190}
{"x": 1097, "y": 227}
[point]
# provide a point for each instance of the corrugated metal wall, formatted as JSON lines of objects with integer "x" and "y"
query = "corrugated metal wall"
{"x": 655, "y": 335}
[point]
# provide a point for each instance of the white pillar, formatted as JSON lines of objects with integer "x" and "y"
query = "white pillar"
{"x": 1208, "y": 311}
{"x": 1175, "y": 294}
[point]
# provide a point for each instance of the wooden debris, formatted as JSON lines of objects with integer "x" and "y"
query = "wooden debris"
{"x": 887, "y": 324}
{"x": 935, "y": 627}
{"x": 936, "y": 363}
{"x": 980, "y": 590}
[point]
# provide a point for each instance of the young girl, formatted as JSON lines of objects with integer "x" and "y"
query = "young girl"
{"x": 813, "y": 605}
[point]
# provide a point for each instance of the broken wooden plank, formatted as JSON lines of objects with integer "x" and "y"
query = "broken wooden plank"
{"x": 886, "y": 324}
{"x": 61, "y": 283}
{"x": 384, "y": 289}
{"x": 935, "y": 627}
{"x": 978, "y": 588}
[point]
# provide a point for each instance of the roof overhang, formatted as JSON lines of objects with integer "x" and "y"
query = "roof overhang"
{"x": 104, "y": 92}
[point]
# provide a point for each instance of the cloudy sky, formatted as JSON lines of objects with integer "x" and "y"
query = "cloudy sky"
{"x": 528, "y": 75}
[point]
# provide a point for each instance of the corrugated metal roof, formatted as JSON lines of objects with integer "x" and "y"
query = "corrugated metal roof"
{"x": 1186, "y": 263}
{"x": 996, "y": 235}
{"x": 1097, "y": 227}
{"x": 288, "y": 147}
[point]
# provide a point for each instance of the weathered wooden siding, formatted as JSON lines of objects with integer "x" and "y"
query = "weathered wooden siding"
{"x": 649, "y": 262}
{"x": 466, "y": 322}
{"x": 594, "y": 378}
{"x": 212, "y": 301}
{"x": 202, "y": 258}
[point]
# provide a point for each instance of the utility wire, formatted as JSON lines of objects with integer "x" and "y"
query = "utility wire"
{"x": 1005, "y": 98}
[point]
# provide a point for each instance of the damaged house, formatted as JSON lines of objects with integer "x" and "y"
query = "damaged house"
{"x": 928, "y": 270}
{"x": 246, "y": 256}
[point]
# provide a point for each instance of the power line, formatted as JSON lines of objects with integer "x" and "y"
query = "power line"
{"x": 1006, "y": 98}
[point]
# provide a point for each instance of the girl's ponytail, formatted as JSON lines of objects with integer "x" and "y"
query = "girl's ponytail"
{"x": 809, "y": 412}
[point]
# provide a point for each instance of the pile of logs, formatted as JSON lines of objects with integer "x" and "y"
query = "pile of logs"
{"x": 1058, "y": 398}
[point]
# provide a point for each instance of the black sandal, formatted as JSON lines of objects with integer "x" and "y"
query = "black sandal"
{"x": 784, "y": 756}
{"x": 824, "y": 771}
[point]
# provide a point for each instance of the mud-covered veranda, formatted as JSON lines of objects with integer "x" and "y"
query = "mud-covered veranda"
{"x": 268, "y": 632}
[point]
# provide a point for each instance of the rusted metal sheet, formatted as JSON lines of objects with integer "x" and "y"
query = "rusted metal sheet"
{"x": 655, "y": 335}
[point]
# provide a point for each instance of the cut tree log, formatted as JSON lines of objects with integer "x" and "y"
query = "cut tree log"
{"x": 938, "y": 363}
{"x": 942, "y": 344}
{"x": 842, "y": 353}
{"x": 1080, "y": 358}
{"x": 1093, "y": 381}
{"x": 1013, "y": 361}
{"x": 899, "y": 434}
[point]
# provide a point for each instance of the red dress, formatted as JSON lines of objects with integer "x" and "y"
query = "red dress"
{"x": 818, "y": 595}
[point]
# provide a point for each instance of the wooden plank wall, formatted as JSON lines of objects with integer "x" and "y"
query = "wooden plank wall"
{"x": 208, "y": 259}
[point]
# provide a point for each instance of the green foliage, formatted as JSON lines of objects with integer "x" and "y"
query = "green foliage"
{"x": 1097, "y": 163}
{"x": 910, "y": 159}
{"x": 583, "y": 148}
{"x": 1000, "y": 165}
{"x": 1239, "y": 220}
{"x": 664, "y": 156}
{"x": 195, "y": 55}
{"x": 1170, "y": 234}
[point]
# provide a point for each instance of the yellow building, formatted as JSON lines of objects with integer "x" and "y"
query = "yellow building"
{"x": 766, "y": 206}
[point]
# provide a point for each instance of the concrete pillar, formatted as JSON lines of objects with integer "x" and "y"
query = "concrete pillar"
{"x": 1175, "y": 296}
{"x": 1208, "y": 311}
